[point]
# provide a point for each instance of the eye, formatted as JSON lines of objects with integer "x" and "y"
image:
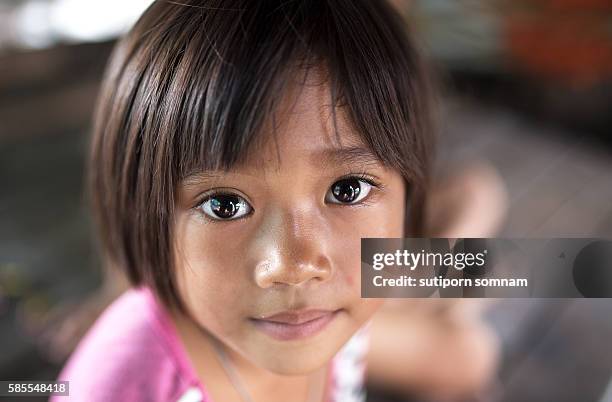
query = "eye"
{"x": 225, "y": 207}
{"x": 348, "y": 191}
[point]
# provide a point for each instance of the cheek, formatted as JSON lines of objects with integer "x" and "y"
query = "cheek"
{"x": 207, "y": 273}
{"x": 367, "y": 308}
{"x": 384, "y": 219}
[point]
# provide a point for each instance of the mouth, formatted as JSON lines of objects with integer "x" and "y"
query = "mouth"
{"x": 295, "y": 324}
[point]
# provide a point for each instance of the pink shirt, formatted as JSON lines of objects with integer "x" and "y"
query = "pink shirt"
{"x": 133, "y": 353}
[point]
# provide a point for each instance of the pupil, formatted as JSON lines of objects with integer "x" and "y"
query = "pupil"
{"x": 225, "y": 206}
{"x": 346, "y": 190}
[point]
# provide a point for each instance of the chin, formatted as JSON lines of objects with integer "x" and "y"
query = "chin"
{"x": 301, "y": 358}
{"x": 297, "y": 363}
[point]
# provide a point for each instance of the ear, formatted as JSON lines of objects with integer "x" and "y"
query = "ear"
{"x": 471, "y": 202}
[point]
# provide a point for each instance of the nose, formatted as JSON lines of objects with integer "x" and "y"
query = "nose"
{"x": 293, "y": 251}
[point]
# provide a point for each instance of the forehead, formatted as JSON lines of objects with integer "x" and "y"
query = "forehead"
{"x": 306, "y": 125}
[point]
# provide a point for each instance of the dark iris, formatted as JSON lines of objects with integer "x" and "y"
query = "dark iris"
{"x": 346, "y": 190}
{"x": 225, "y": 206}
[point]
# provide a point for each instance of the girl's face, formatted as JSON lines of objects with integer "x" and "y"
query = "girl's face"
{"x": 281, "y": 233}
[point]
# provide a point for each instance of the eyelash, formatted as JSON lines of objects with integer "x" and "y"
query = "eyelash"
{"x": 214, "y": 193}
{"x": 371, "y": 180}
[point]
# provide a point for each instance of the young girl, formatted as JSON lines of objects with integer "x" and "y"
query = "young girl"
{"x": 241, "y": 151}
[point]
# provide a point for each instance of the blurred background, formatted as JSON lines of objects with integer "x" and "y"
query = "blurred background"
{"x": 526, "y": 89}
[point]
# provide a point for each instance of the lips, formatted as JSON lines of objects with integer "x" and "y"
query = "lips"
{"x": 295, "y": 324}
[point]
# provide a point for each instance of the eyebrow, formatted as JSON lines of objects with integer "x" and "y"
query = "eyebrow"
{"x": 346, "y": 156}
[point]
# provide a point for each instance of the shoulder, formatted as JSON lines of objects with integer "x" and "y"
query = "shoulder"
{"x": 129, "y": 354}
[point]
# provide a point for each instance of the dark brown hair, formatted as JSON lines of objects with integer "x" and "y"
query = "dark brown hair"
{"x": 189, "y": 87}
